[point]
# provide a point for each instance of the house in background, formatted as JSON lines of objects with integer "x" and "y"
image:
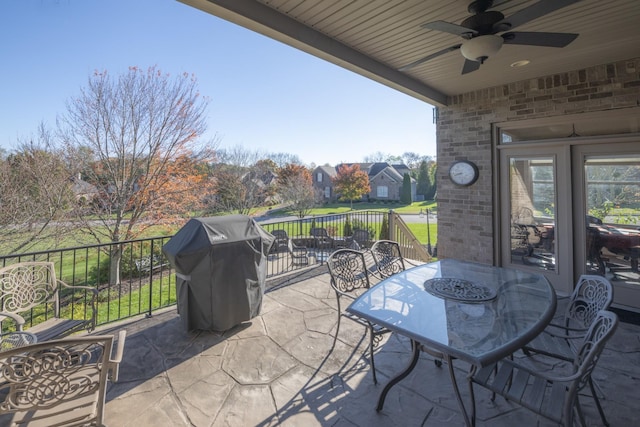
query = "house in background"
{"x": 322, "y": 181}
{"x": 385, "y": 181}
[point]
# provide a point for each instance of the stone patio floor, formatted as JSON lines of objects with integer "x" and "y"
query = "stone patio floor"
{"x": 279, "y": 369}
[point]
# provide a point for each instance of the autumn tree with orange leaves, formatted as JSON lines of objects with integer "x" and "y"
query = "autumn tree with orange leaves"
{"x": 135, "y": 138}
{"x": 351, "y": 183}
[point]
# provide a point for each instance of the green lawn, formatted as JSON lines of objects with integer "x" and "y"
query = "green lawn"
{"x": 420, "y": 231}
{"x": 338, "y": 208}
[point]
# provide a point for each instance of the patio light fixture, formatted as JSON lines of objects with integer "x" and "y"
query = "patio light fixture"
{"x": 482, "y": 47}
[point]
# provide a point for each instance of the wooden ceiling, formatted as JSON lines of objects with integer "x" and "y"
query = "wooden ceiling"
{"x": 376, "y": 38}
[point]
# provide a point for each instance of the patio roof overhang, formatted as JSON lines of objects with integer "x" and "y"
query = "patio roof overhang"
{"x": 377, "y": 38}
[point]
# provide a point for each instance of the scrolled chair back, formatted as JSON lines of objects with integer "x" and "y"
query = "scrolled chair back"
{"x": 26, "y": 285}
{"x": 348, "y": 271}
{"x": 388, "y": 258}
{"x": 592, "y": 294}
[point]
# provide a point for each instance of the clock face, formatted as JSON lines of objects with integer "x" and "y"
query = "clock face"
{"x": 463, "y": 173}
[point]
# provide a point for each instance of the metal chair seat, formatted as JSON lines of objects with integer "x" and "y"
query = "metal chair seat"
{"x": 554, "y": 397}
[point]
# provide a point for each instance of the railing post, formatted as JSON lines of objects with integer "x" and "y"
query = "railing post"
{"x": 392, "y": 225}
{"x": 150, "y": 313}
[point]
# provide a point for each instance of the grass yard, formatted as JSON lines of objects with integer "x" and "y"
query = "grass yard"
{"x": 338, "y": 208}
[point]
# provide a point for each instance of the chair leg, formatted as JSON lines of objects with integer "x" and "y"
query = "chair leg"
{"x": 335, "y": 337}
{"x": 373, "y": 364}
{"x": 583, "y": 423}
{"x": 595, "y": 397}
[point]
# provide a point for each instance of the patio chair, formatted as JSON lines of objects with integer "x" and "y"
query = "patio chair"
{"x": 360, "y": 238}
{"x": 388, "y": 259}
{"x": 321, "y": 238}
{"x": 350, "y": 277}
{"x": 299, "y": 254}
{"x": 27, "y": 285}
{"x": 591, "y": 295}
{"x": 281, "y": 242}
{"x": 553, "y": 396}
{"x": 61, "y": 382}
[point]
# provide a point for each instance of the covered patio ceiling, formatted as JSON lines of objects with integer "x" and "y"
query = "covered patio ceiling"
{"x": 377, "y": 38}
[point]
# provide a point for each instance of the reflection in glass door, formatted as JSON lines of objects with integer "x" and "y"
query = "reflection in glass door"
{"x": 612, "y": 206}
{"x": 532, "y": 195}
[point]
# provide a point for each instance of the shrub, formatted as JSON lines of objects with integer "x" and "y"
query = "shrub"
{"x": 384, "y": 228}
{"x": 347, "y": 229}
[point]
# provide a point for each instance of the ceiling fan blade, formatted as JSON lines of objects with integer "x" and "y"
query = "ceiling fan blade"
{"x": 470, "y": 66}
{"x": 535, "y": 11}
{"x": 430, "y": 57}
{"x": 448, "y": 27}
{"x": 539, "y": 39}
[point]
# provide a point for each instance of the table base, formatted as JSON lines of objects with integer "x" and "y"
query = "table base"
{"x": 470, "y": 421}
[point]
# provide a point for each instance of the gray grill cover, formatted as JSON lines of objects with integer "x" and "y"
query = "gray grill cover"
{"x": 221, "y": 268}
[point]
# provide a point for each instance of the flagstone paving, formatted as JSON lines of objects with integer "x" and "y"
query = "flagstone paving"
{"x": 280, "y": 369}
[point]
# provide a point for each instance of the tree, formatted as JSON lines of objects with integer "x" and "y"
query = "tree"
{"x": 413, "y": 160}
{"x": 351, "y": 183}
{"x": 244, "y": 180}
{"x": 283, "y": 159}
{"x": 36, "y": 191}
{"x": 295, "y": 186}
{"x": 376, "y": 157}
{"x": 423, "y": 185}
{"x": 135, "y": 138}
{"x": 433, "y": 166}
{"x": 405, "y": 195}
{"x": 384, "y": 228}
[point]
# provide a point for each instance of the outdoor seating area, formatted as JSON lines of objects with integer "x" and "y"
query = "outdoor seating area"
{"x": 285, "y": 365}
{"x": 296, "y": 364}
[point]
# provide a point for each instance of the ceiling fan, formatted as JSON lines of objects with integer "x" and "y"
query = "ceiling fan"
{"x": 480, "y": 30}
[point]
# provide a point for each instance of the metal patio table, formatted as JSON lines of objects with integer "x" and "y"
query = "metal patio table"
{"x": 473, "y": 312}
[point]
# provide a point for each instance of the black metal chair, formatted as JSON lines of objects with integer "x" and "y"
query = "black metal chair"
{"x": 559, "y": 341}
{"x": 550, "y": 395}
{"x": 360, "y": 238}
{"x": 299, "y": 254}
{"x": 321, "y": 238}
{"x": 281, "y": 242}
{"x": 349, "y": 276}
{"x": 388, "y": 258}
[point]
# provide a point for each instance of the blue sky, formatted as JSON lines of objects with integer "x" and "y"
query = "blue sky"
{"x": 264, "y": 95}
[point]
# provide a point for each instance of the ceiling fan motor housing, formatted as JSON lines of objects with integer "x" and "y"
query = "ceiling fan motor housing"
{"x": 482, "y": 23}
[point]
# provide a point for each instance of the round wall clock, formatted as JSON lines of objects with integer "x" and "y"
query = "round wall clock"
{"x": 463, "y": 172}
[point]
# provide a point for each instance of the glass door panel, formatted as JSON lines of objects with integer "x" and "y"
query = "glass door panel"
{"x": 612, "y": 207}
{"x": 532, "y": 188}
{"x": 535, "y": 212}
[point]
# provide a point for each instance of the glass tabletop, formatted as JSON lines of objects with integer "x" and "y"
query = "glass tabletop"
{"x": 474, "y": 312}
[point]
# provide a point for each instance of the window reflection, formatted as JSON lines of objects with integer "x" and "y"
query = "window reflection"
{"x": 533, "y": 222}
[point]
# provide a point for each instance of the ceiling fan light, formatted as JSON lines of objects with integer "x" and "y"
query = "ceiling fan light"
{"x": 481, "y": 47}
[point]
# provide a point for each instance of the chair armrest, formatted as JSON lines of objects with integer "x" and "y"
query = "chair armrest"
{"x": 15, "y": 317}
{"x": 114, "y": 363}
{"x": 579, "y": 332}
{"x": 94, "y": 298}
{"x": 541, "y": 374}
{"x": 88, "y": 288}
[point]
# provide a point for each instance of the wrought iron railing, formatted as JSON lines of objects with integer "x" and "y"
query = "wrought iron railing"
{"x": 144, "y": 281}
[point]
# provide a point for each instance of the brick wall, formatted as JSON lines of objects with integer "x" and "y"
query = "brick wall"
{"x": 465, "y": 215}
